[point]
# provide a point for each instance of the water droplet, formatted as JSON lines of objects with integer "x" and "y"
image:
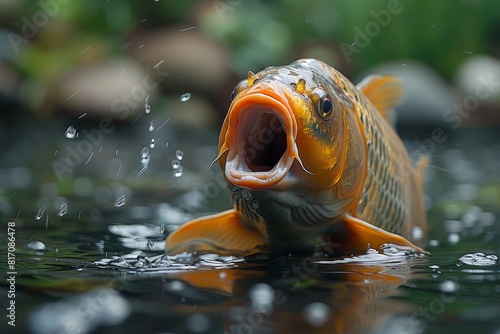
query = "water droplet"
{"x": 479, "y": 259}
{"x": 179, "y": 154}
{"x": 141, "y": 262}
{"x": 151, "y": 126}
{"x": 121, "y": 201}
{"x": 150, "y": 244}
{"x": 70, "y": 132}
{"x": 163, "y": 261}
{"x": 449, "y": 286}
{"x": 120, "y": 262}
{"x": 262, "y": 297}
{"x": 185, "y": 97}
{"x": 178, "y": 172}
{"x": 41, "y": 211}
{"x": 176, "y": 163}
{"x": 153, "y": 144}
{"x": 147, "y": 108}
{"x": 63, "y": 209}
{"x": 222, "y": 275}
{"x": 145, "y": 156}
{"x": 317, "y": 314}
{"x": 433, "y": 267}
{"x": 36, "y": 246}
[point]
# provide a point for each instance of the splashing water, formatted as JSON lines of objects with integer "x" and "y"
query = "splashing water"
{"x": 70, "y": 132}
{"x": 36, "y": 246}
{"x": 142, "y": 261}
{"x": 121, "y": 201}
{"x": 145, "y": 157}
{"x": 41, "y": 211}
{"x": 151, "y": 126}
{"x": 63, "y": 210}
{"x": 178, "y": 172}
{"x": 120, "y": 262}
{"x": 185, "y": 97}
{"x": 152, "y": 144}
{"x": 150, "y": 244}
{"x": 176, "y": 164}
{"x": 479, "y": 259}
{"x": 163, "y": 261}
{"x": 147, "y": 108}
{"x": 179, "y": 154}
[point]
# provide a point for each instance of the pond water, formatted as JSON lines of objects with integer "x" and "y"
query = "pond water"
{"x": 89, "y": 241}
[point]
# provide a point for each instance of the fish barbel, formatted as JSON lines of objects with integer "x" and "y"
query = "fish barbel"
{"x": 310, "y": 159}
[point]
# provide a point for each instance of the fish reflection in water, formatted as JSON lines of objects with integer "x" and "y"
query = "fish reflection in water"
{"x": 236, "y": 295}
{"x": 285, "y": 295}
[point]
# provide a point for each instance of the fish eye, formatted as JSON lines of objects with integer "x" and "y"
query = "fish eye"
{"x": 326, "y": 106}
{"x": 323, "y": 102}
{"x": 238, "y": 88}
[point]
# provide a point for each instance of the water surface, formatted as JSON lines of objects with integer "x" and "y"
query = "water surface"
{"x": 89, "y": 247}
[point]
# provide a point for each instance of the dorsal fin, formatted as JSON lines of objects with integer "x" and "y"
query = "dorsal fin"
{"x": 384, "y": 92}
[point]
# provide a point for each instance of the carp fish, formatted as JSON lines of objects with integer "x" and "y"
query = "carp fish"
{"x": 311, "y": 159}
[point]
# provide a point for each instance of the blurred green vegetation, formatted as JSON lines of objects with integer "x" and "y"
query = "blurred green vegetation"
{"x": 258, "y": 33}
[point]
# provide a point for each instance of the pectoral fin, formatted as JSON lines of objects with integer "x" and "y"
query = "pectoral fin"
{"x": 360, "y": 235}
{"x": 226, "y": 233}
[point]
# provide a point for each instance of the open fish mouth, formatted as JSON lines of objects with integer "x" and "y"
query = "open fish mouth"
{"x": 264, "y": 141}
{"x": 260, "y": 141}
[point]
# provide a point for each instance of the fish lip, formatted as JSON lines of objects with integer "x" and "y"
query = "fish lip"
{"x": 251, "y": 107}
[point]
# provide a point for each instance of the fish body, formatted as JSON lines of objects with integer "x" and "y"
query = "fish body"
{"x": 311, "y": 163}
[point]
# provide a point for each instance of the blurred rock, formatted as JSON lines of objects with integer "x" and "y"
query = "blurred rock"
{"x": 194, "y": 114}
{"x": 115, "y": 88}
{"x": 427, "y": 95}
{"x": 479, "y": 80}
{"x": 478, "y": 71}
{"x": 195, "y": 63}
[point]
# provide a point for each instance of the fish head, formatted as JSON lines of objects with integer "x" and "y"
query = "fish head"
{"x": 294, "y": 128}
